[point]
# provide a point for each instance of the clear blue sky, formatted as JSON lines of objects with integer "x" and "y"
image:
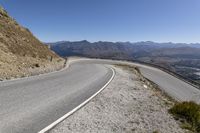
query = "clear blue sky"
{"x": 109, "y": 20}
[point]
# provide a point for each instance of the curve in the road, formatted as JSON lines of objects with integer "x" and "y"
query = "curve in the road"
{"x": 174, "y": 87}
{"x": 31, "y": 104}
{"x": 49, "y": 127}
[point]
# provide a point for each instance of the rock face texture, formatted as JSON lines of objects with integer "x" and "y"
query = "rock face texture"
{"x": 22, "y": 54}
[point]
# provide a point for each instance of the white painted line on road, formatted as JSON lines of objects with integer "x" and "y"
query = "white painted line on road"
{"x": 78, "y": 107}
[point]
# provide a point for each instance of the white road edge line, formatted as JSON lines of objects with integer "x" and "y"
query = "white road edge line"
{"x": 78, "y": 107}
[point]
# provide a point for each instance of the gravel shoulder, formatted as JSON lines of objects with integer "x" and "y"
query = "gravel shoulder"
{"x": 128, "y": 104}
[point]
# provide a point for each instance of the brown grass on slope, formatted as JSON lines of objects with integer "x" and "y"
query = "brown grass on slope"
{"x": 22, "y": 54}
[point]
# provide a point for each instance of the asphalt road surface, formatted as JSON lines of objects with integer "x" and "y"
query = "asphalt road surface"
{"x": 174, "y": 87}
{"x": 30, "y": 104}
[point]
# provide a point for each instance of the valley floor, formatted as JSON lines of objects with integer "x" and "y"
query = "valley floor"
{"x": 126, "y": 105}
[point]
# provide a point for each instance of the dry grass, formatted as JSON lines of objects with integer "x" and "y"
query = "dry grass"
{"x": 129, "y": 67}
{"x": 20, "y": 50}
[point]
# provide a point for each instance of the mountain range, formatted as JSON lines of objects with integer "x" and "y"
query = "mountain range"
{"x": 125, "y": 50}
{"x": 181, "y": 58}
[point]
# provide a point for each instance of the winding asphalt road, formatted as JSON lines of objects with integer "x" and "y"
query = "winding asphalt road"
{"x": 28, "y": 105}
{"x": 174, "y": 87}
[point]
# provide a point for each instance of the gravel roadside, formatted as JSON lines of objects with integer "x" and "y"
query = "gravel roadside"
{"x": 126, "y": 105}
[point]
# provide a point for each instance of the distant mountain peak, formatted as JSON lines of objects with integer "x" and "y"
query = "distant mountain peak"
{"x": 85, "y": 41}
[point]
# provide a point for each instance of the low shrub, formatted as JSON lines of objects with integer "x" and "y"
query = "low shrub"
{"x": 37, "y": 65}
{"x": 188, "y": 112}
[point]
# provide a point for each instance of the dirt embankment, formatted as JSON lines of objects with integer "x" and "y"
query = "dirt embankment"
{"x": 128, "y": 104}
{"x": 21, "y": 53}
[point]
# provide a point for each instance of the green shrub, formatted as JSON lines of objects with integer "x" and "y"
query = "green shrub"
{"x": 188, "y": 111}
{"x": 37, "y": 65}
{"x": 155, "y": 131}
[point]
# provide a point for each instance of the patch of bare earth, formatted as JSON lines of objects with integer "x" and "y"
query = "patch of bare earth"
{"x": 124, "y": 106}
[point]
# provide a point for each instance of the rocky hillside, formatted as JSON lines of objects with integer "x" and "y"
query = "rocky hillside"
{"x": 22, "y": 54}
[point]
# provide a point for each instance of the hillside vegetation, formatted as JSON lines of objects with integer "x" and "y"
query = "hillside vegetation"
{"x": 22, "y": 54}
{"x": 189, "y": 113}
